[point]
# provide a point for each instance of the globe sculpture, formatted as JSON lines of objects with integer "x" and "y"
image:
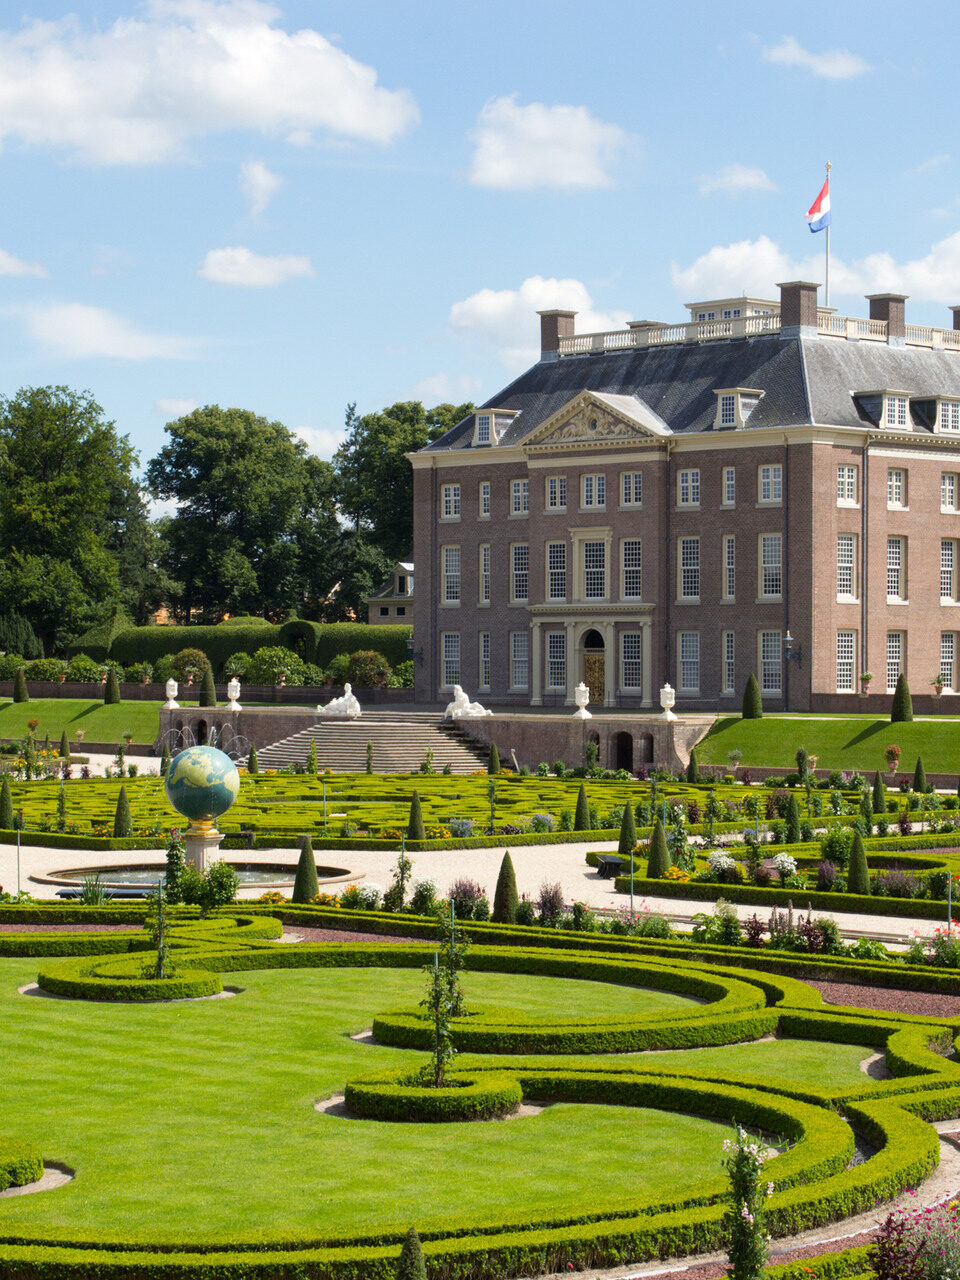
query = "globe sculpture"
{"x": 202, "y": 783}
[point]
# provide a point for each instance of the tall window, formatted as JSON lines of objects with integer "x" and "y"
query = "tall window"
{"x": 593, "y": 491}
{"x": 729, "y": 673}
{"x": 631, "y": 490}
{"x": 770, "y": 483}
{"x": 451, "y": 575}
{"x": 896, "y": 578}
{"x": 689, "y": 642}
{"x": 484, "y": 653}
{"x": 450, "y": 501}
{"x": 846, "y": 485}
{"x": 689, "y": 568}
{"x": 896, "y": 487}
{"x": 896, "y": 411}
{"x": 556, "y": 570}
{"x": 948, "y": 654}
{"x": 845, "y": 648}
{"x": 728, "y": 411}
{"x": 483, "y": 506}
{"x": 729, "y": 567}
{"x": 594, "y": 570}
{"x": 519, "y": 497}
{"x": 483, "y": 428}
{"x": 484, "y": 584}
{"x": 948, "y": 569}
{"x": 729, "y": 486}
{"x": 771, "y": 570}
{"x": 632, "y": 568}
{"x": 631, "y": 660}
{"x": 519, "y": 659}
{"x": 450, "y": 655}
{"x": 948, "y": 491}
{"x": 950, "y": 415}
{"x": 688, "y": 488}
{"x": 846, "y": 575}
{"x": 556, "y": 493}
{"x": 556, "y": 660}
{"x": 771, "y": 661}
{"x": 521, "y": 571}
{"x": 894, "y": 659}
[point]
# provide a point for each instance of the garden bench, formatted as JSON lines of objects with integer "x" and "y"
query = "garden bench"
{"x": 608, "y": 866}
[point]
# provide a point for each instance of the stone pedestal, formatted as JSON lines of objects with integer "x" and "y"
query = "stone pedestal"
{"x": 202, "y": 845}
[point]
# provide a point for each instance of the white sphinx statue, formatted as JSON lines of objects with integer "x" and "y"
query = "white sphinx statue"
{"x": 461, "y": 708}
{"x": 345, "y": 708}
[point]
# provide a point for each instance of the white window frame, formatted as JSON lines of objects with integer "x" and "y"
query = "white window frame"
{"x": 948, "y": 491}
{"x": 483, "y": 659}
{"x": 770, "y": 484}
{"x": 519, "y": 572}
{"x": 519, "y": 660}
{"x": 729, "y": 483}
{"x": 688, "y": 488}
{"x": 556, "y": 562}
{"x": 846, "y": 661}
{"x": 688, "y": 662}
{"x": 770, "y": 566}
{"x": 450, "y": 574}
{"x": 483, "y": 574}
{"x": 728, "y": 410}
{"x": 688, "y": 568}
{"x": 631, "y": 569}
{"x": 595, "y": 573}
{"x": 897, "y": 496}
{"x": 484, "y": 428}
{"x": 948, "y": 418}
{"x": 846, "y": 566}
{"x": 519, "y": 497}
{"x": 450, "y": 502}
{"x": 848, "y": 476}
{"x": 896, "y": 411}
{"x": 556, "y": 660}
{"x": 896, "y": 568}
{"x": 449, "y": 659}
{"x": 631, "y": 663}
{"x": 728, "y": 662}
{"x": 948, "y": 658}
{"x": 895, "y": 658}
{"x": 729, "y": 567}
{"x": 483, "y": 500}
{"x": 593, "y": 491}
{"x": 770, "y": 662}
{"x": 948, "y": 570}
{"x": 555, "y": 493}
{"x": 631, "y": 488}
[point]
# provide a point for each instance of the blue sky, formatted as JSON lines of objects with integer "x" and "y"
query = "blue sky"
{"x": 290, "y": 207}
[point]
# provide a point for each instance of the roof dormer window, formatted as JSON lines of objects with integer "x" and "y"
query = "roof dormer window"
{"x": 896, "y": 410}
{"x": 734, "y": 406}
{"x": 948, "y": 418}
{"x": 484, "y": 428}
{"x": 490, "y": 424}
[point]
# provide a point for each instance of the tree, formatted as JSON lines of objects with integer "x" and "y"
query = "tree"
{"x": 752, "y": 701}
{"x": 493, "y": 759}
{"x": 208, "y": 690}
{"x": 628, "y": 834}
{"x": 20, "y": 691}
{"x": 902, "y": 708}
{"x": 17, "y": 636}
{"x": 253, "y": 765}
{"x": 306, "y": 886}
{"x": 6, "y": 806}
{"x": 64, "y": 752}
{"x": 506, "y": 898}
{"x": 793, "y": 821}
{"x": 415, "y": 829}
{"x": 111, "y": 690}
{"x": 164, "y": 761}
{"x": 879, "y": 796}
{"x": 581, "y": 818}
{"x": 858, "y": 874}
{"x": 919, "y": 777}
{"x": 693, "y": 773}
{"x": 411, "y": 1265}
{"x": 658, "y": 859}
{"x": 122, "y": 822}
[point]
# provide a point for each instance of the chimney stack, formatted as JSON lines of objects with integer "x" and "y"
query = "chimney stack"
{"x": 889, "y": 307}
{"x": 554, "y": 325}
{"x": 798, "y": 308}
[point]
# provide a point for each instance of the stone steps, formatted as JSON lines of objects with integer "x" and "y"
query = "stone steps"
{"x": 400, "y": 744}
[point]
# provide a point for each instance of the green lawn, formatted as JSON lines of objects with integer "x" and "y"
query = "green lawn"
{"x": 839, "y": 743}
{"x": 191, "y": 1118}
{"x": 100, "y": 723}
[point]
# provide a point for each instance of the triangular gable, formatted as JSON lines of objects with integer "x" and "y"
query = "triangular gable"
{"x": 599, "y": 418}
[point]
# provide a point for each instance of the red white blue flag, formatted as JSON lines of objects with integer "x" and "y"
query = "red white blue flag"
{"x": 818, "y": 217}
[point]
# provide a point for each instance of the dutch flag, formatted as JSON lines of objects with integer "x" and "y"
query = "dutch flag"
{"x": 818, "y": 216}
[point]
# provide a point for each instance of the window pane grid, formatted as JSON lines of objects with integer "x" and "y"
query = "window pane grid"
{"x": 484, "y": 672}
{"x": 895, "y": 567}
{"x": 594, "y": 570}
{"x": 556, "y": 492}
{"x": 771, "y": 661}
{"x": 556, "y": 660}
{"x": 771, "y": 484}
{"x": 689, "y": 488}
{"x": 450, "y": 497}
{"x": 519, "y": 659}
{"x": 632, "y": 488}
{"x": 845, "y": 649}
{"x": 845, "y": 564}
{"x": 729, "y": 485}
{"x": 947, "y": 569}
{"x": 485, "y": 498}
{"x": 631, "y": 660}
{"x": 729, "y": 668}
{"x": 846, "y": 484}
{"x": 689, "y": 659}
{"x": 451, "y": 575}
{"x": 450, "y": 650}
{"x": 948, "y": 490}
{"x": 689, "y": 568}
{"x": 948, "y": 651}
{"x": 632, "y": 568}
{"x": 950, "y": 415}
{"x": 485, "y": 573}
{"x": 520, "y": 491}
{"x": 895, "y": 486}
{"x": 772, "y": 575}
{"x": 894, "y": 659}
{"x": 556, "y": 570}
{"x": 521, "y": 571}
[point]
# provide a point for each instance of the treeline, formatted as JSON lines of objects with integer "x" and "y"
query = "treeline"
{"x": 259, "y": 527}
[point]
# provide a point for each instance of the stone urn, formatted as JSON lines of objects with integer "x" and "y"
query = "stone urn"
{"x": 581, "y": 696}
{"x": 173, "y": 689}
{"x": 667, "y": 698}
{"x": 233, "y": 693}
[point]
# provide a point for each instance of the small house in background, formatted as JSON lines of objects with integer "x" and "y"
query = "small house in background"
{"x": 394, "y": 601}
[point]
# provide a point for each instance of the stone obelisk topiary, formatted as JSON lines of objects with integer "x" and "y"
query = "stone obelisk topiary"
{"x": 208, "y": 690}
{"x": 111, "y": 690}
{"x": 493, "y": 760}
{"x": 20, "y": 691}
{"x": 122, "y": 821}
{"x": 920, "y": 777}
{"x": 411, "y": 1265}
{"x": 305, "y": 885}
{"x": 858, "y": 874}
{"x": 752, "y": 701}
{"x": 6, "y": 806}
{"x": 658, "y": 861}
{"x": 64, "y": 746}
{"x": 253, "y": 765}
{"x": 902, "y": 708}
{"x": 879, "y": 799}
{"x": 506, "y": 898}
{"x": 628, "y": 835}
{"x": 415, "y": 830}
{"x": 693, "y": 771}
{"x": 581, "y": 818}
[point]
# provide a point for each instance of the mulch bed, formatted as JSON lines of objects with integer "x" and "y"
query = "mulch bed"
{"x": 338, "y": 935}
{"x": 924, "y": 1003}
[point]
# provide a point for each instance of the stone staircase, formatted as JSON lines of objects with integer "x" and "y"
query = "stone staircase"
{"x": 400, "y": 744}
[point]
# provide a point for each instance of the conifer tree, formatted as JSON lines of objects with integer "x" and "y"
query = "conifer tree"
{"x": 305, "y": 885}
{"x": 658, "y": 861}
{"x": 793, "y": 821}
{"x": 6, "y": 806}
{"x": 208, "y": 690}
{"x": 858, "y": 874}
{"x": 628, "y": 834}
{"x": 111, "y": 690}
{"x": 902, "y": 708}
{"x": 164, "y": 761}
{"x": 752, "y": 701}
{"x": 693, "y": 772}
{"x": 20, "y": 690}
{"x": 122, "y": 822}
{"x": 879, "y": 797}
{"x": 312, "y": 757}
{"x": 866, "y": 812}
{"x": 64, "y": 746}
{"x": 581, "y": 818}
{"x": 506, "y": 898}
{"x": 253, "y": 765}
{"x": 415, "y": 829}
{"x": 920, "y": 777}
{"x": 493, "y": 760}
{"x": 411, "y": 1265}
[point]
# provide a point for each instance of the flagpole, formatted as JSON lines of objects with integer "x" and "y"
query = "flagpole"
{"x": 826, "y": 291}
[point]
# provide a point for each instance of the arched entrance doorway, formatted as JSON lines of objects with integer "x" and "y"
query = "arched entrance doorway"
{"x": 623, "y": 751}
{"x": 593, "y": 664}
{"x": 201, "y": 732}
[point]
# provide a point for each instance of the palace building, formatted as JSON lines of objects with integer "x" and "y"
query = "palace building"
{"x": 770, "y": 488}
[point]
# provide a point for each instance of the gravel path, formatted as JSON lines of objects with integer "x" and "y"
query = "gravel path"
{"x": 931, "y": 1004}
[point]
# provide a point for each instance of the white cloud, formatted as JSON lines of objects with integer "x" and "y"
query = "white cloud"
{"x": 755, "y": 267}
{"x": 136, "y": 92}
{"x": 834, "y": 64}
{"x": 735, "y": 180}
{"x": 11, "y": 266}
{"x": 258, "y": 184}
{"x": 240, "y": 266}
{"x": 157, "y": 508}
{"x": 931, "y": 165}
{"x": 76, "y": 331}
{"x": 323, "y": 441}
{"x": 445, "y": 388}
{"x": 173, "y": 408}
{"x": 523, "y": 148}
{"x": 506, "y": 319}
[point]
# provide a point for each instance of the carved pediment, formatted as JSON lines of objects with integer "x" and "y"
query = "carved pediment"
{"x": 595, "y": 418}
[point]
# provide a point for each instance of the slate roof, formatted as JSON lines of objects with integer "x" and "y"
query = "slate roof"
{"x": 804, "y": 380}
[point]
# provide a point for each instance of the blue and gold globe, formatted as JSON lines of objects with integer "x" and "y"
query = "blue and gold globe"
{"x": 202, "y": 783}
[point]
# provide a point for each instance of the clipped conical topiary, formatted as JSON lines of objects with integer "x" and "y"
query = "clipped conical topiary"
{"x": 6, "y": 806}
{"x": 693, "y": 771}
{"x": 415, "y": 829}
{"x": 919, "y": 777}
{"x": 752, "y": 701}
{"x": 658, "y": 861}
{"x": 64, "y": 746}
{"x": 628, "y": 834}
{"x": 411, "y": 1265}
{"x": 253, "y": 765}
{"x": 902, "y": 708}
{"x": 793, "y": 821}
{"x": 208, "y": 690}
{"x": 493, "y": 760}
{"x": 164, "y": 761}
{"x": 111, "y": 690}
{"x": 305, "y": 885}
{"x": 506, "y": 898}
{"x": 879, "y": 795}
{"x": 858, "y": 874}
{"x": 866, "y": 812}
{"x": 122, "y": 822}
{"x": 581, "y": 818}
{"x": 20, "y": 690}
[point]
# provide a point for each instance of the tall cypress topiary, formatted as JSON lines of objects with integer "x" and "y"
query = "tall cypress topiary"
{"x": 493, "y": 760}
{"x": 411, "y": 1265}
{"x": 208, "y": 690}
{"x": 305, "y": 885}
{"x": 122, "y": 822}
{"x": 628, "y": 833}
{"x": 164, "y": 761}
{"x": 693, "y": 772}
{"x": 902, "y": 708}
{"x": 581, "y": 818}
{"x": 64, "y": 746}
{"x": 879, "y": 795}
{"x": 793, "y": 821}
{"x": 866, "y": 812}
{"x": 752, "y": 701}
{"x": 858, "y": 874}
{"x": 20, "y": 691}
{"x": 415, "y": 829}
{"x": 506, "y": 898}
{"x": 658, "y": 861}
{"x": 6, "y": 806}
{"x": 919, "y": 777}
{"x": 111, "y": 690}
{"x": 253, "y": 765}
